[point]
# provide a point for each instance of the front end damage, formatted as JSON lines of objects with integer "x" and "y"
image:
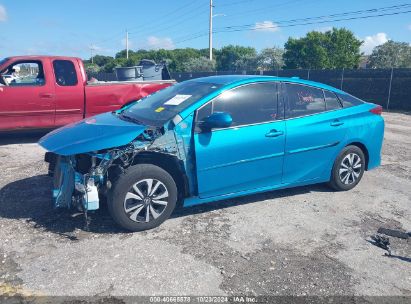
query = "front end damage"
{"x": 80, "y": 180}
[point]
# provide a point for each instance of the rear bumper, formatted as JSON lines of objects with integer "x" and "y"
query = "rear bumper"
{"x": 375, "y": 142}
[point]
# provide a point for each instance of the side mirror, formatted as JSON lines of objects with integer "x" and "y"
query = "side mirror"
{"x": 216, "y": 120}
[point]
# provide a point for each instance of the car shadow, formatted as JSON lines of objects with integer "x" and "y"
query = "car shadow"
{"x": 21, "y": 137}
{"x": 30, "y": 200}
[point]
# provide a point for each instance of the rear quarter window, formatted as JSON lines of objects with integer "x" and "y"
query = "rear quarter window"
{"x": 331, "y": 101}
{"x": 349, "y": 100}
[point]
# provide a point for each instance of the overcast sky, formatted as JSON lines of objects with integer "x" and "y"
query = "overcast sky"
{"x": 70, "y": 27}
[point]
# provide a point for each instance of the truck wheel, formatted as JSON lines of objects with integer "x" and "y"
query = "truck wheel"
{"x": 348, "y": 169}
{"x": 142, "y": 198}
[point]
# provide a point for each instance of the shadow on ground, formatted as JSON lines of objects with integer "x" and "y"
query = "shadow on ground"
{"x": 21, "y": 137}
{"x": 30, "y": 200}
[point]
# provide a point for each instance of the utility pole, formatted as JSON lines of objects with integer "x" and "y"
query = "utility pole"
{"x": 91, "y": 53}
{"x": 126, "y": 44}
{"x": 210, "y": 36}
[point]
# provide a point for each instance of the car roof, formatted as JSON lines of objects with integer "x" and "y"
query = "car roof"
{"x": 232, "y": 80}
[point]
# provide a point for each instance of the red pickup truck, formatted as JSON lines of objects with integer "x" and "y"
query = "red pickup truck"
{"x": 41, "y": 92}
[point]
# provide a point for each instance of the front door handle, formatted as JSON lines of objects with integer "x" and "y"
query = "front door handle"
{"x": 274, "y": 133}
{"x": 336, "y": 123}
{"x": 46, "y": 95}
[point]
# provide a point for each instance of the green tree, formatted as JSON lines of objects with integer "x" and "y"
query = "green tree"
{"x": 101, "y": 60}
{"x": 201, "y": 64}
{"x": 227, "y": 57}
{"x": 247, "y": 63}
{"x": 91, "y": 68}
{"x": 118, "y": 62}
{"x": 175, "y": 58}
{"x": 179, "y": 56}
{"x": 391, "y": 55}
{"x": 343, "y": 48}
{"x": 270, "y": 59}
{"x": 338, "y": 48}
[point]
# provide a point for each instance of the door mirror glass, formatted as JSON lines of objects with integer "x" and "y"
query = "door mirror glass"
{"x": 216, "y": 120}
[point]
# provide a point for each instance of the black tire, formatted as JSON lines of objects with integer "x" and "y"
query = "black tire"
{"x": 126, "y": 183}
{"x": 341, "y": 182}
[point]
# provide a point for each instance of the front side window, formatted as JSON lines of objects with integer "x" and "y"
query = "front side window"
{"x": 249, "y": 104}
{"x": 303, "y": 100}
{"x": 65, "y": 73}
{"x": 331, "y": 101}
{"x": 29, "y": 73}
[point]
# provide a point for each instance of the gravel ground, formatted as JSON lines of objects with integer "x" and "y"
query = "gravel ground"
{"x": 302, "y": 241}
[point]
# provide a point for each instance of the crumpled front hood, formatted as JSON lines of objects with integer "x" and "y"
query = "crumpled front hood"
{"x": 99, "y": 132}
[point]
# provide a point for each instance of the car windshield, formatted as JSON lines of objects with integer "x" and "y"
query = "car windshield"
{"x": 158, "y": 108}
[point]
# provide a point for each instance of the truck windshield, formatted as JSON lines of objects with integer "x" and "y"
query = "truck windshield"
{"x": 158, "y": 108}
{"x": 3, "y": 60}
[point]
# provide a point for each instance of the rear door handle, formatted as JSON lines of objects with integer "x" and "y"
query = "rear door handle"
{"x": 274, "y": 133}
{"x": 336, "y": 123}
{"x": 46, "y": 95}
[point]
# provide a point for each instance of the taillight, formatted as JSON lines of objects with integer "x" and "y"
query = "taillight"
{"x": 377, "y": 110}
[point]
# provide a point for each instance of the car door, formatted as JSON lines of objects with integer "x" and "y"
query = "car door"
{"x": 315, "y": 132}
{"x": 28, "y": 100}
{"x": 69, "y": 92}
{"x": 249, "y": 154}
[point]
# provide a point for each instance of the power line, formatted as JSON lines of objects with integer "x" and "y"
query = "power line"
{"x": 172, "y": 25}
{"x": 277, "y": 7}
{"x": 235, "y": 3}
{"x": 168, "y": 15}
{"x": 165, "y": 20}
{"x": 374, "y": 10}
{"x": 229, "y": 29}
{"x": 278, "y": 23}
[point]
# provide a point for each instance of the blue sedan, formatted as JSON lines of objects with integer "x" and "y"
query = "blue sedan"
{"x": 210, "y": 139}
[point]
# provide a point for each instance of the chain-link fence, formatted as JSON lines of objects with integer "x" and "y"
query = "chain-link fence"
{"x": 390, "y": 88}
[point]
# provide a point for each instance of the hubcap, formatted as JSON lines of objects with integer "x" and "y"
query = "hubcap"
{"x": 146, "y": 200}
{"x": 350, "y": 168}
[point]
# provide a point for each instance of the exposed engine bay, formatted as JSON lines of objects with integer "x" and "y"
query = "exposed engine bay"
{"x": 80, "y": 180}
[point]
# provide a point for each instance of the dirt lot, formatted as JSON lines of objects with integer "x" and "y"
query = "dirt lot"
{"x": 303, "y": 241}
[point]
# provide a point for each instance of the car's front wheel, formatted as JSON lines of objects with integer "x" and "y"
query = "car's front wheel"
{"x": 142, "y": 198}
{"x": 348, "y": 169}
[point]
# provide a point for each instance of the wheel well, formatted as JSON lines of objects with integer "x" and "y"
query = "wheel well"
{"x": 169, "y": 163}
{"x": 363, "y": 149}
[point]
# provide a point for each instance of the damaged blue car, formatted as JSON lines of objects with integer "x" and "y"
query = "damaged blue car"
{"x": 210, "y": 139}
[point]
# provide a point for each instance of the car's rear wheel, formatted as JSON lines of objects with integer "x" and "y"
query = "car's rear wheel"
{"x": 348, "y": 169}
{"x": 142, "y": 198}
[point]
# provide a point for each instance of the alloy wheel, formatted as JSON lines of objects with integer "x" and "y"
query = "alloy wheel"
{"x": 350, "y": 168}
{"x": 146, "y": 200}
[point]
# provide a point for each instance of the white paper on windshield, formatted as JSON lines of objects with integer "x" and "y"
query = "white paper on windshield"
{"x": 176, "y": 100}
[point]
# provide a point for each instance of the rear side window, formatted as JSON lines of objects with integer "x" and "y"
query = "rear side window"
{"x": 249, "y": 104}
{"x": 65, "y": 73}
{"x": 331, "y": 101}
{"x": 303, "y": 100}
{"x": 349, "y": 100}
